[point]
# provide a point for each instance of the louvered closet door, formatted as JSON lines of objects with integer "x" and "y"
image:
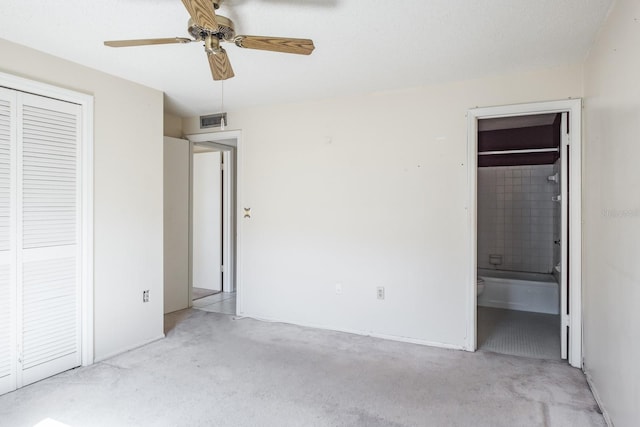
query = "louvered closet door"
{"x": 8, "y": 340}
{"x": 48, "y": 247}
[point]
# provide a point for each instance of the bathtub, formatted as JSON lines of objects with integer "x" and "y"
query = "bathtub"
{"x": 520, "y": 291}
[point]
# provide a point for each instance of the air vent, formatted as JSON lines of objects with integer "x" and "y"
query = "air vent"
{"x": 212, "y": 120}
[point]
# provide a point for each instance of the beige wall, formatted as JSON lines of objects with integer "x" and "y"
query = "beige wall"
{"x": 368, "y": 191}
{"x": 176, "y": 224}
{"x": 172, "y": 126}
{"x": 127, "y": 195}
{"x": 612, "y": 215}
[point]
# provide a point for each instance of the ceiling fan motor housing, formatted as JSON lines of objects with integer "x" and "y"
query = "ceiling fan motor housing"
{"x": 225, "y": 30}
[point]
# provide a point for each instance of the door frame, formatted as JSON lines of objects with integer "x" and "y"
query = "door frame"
{"x": 228, "y": 142}
{"x": 574, "y": 108}
{"x": 85, "y": 102}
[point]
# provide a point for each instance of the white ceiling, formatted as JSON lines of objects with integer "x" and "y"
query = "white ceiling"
{"x": 361, "y": 45}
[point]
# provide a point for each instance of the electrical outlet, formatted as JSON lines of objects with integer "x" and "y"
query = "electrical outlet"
{"x": 380, "y": 292}
{"x": 339, "y": 288}
{"x": 145, "y": 296}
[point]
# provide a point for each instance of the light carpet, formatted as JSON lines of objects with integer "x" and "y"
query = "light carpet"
{"x": 216, "y": 370}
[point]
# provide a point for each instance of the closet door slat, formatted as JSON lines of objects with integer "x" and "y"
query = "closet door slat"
{"x": 49, "y": 294}
{"x": 7, "y": 347}
{"x": 6, "y": 152}
{"x": 41, "y": 161}
{"x": 8, "y": 288}
{"x": 48, "y": 240}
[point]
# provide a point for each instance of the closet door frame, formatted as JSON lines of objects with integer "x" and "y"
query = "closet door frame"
{"x": 85, "y": 102}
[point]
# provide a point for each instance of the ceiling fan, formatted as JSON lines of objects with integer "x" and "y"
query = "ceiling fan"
{"x": 207, "y": 26}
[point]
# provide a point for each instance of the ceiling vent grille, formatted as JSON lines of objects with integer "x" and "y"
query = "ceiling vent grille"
{"x": 212, "y": 120}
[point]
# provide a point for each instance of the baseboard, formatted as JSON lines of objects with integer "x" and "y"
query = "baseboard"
{"x": 119, "y": 352}
{"x": 359, "y": 332}
{"x": 596, "y": 396}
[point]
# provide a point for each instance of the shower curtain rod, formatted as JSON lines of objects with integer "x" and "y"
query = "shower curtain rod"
{"x": 533, "y": 150}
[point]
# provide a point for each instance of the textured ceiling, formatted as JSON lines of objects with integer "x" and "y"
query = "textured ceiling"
{"x": 361, "y": 45}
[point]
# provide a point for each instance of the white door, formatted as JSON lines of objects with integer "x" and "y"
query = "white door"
{"x": 564, "y": 235}
{"x": 48, "y": 246}
{"x": 207, "y": 221}
{"x": 40, "y": 316}
{"x": 8, "y": 302}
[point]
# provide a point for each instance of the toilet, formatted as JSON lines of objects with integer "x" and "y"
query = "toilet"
{"x": 479, "y": 286}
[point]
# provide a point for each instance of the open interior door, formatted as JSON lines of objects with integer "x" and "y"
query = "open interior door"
{"x": 564, "y": 235}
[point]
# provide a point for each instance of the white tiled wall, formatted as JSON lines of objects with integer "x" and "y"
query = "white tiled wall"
{"x": 516, "y": 217}
{"x": 557, "y": 220}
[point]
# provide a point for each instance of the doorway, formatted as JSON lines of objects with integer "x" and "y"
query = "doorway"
{"x": 207, "y": 222}
{"x": 524, "y": 208}
{"x": 213, "y": 224}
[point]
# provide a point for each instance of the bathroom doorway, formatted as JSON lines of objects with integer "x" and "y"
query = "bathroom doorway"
{"x": 525, "y": 184}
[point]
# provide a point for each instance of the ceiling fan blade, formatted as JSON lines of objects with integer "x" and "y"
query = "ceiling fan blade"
{"x": 276, "y": 44}
{"x": 202, "y": 13}
{"x": 220, "y": 65}
{"x": 146, "y": 42}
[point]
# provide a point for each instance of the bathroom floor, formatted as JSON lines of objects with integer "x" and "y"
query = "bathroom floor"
{"x": 519, "y": 333}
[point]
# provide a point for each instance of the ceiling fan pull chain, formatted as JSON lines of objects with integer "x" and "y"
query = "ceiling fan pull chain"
{"x": 222, "y": 121}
